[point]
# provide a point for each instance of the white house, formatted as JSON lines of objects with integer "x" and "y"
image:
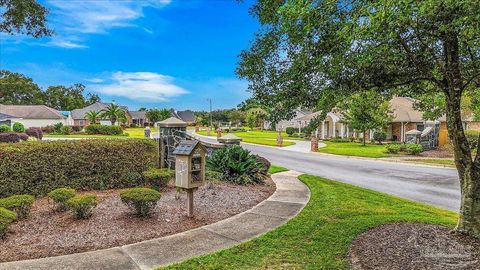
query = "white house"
{"x": 295, "y": 121}
{"x": 32, "y": 115}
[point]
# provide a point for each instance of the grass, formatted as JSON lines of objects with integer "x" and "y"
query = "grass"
{"x": 132, "y": 133}
{"x": 258, "y": 137}
{"x": 433, "y": 161}
{"x": 355, "y": 149}
{"x": 319, "y": 237}
{"x": 276, "y": 169}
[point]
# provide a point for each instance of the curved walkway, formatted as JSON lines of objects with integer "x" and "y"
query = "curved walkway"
{"x": 286, "y": 202}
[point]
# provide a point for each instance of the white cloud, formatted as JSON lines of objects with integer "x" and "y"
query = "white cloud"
{"x": 143, "y": 86}
{"x": 67, "y": 44}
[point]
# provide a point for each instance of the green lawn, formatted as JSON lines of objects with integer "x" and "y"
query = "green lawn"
{"x": 132, "y": 133}
{"x": 355, "y": 149}
{"x": 276, "y": 169}
{"x": 433, "y": 161}
{"x": 319, "y": 237}
{"x": 257, "y": 137}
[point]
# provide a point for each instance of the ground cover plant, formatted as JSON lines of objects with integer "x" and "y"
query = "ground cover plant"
{"x": 60, "y": 196}
{"x": 143, "y": 200}
{"x": 39, "y": 167}
{"x": 20, "y": 204}
{"x": 6, "y": 218}
{"x": 158, "y": 178}
{"x": 82, "y": 205}
{"x": 319, "y": 237}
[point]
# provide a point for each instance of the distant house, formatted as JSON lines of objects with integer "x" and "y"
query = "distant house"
{"x": 31, "y": 115}
{"x": 187, "y": 116}
{"x": 296, "y": 121}
{"x": 79, "y": 119}
{"x": 139, "y": 118}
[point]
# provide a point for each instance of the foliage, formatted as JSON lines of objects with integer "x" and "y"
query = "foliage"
{"x": 60, "y": 196}
{"x": 157, "y": 115}
{"x": 58, "y": 127}
{"x": 414, "y": 149}
{"x": 82, "y": 205}
{"x": 6, "y": 218}
{"x": 5, "y": 128}
{"x": 103, "y": 129}
{"x": 26, "y": 168}
{"x": 237, "y": 117}
{"x": 354, "y": 149}
{"x": 112, "y": 112}
{"x": 251, "y": 120}
{"x": 16, "y": 88}
{"x": 35, "y": 132}
{"x": 158, "y": 178}
{"x": 26, "y": 17}
{"x": 393, "y": 148}
{"x": 290, "y": 130}
{"x": 67, "y": 98}
{"x": 93, "y": 116}
{"x": 473, "y": 138}
{"x": 255, "y": 117}
{"x": 11, "y": 137}
{"x": 66, "y": 130}
{"x": 379, "y": 136}
{"x": 19, "y": 204}
{"x": 143, "y": 200}
{"x": 236, "y": 165}
{"x": 18, "y": 127}
{"x": 366, "y": 110}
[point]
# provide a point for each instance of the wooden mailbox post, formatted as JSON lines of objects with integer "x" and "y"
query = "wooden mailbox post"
{"x": 189, "y": 169}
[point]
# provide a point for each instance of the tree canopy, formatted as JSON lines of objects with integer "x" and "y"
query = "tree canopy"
{"x": 26, "y": 17}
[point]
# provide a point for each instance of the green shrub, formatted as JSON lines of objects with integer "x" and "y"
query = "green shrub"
{"x": 38, "y": 167}
{"x": 394, "y": 148}
{"x": 472, "y": 137}
{"x": 143, "y": 200}
{"x": 158, "y": 178}
{"x": 57, "y": 128}
{"x": 66, "y": 130}
{"x": 60, "y": 196}
{"x": 379, "y": 136}
{"x": 414, "y": 149}
{"x": 236, "y": 165}
{"x": 290, "y": 130}
{"x": 5, "y": 128}
{"x": 18, "y": 127}
{"x": 340, "y": 139}
{"x": 103, "y": 129}
{"x": 351, "y": 139}
{"x": 6, "y": 218}
{"x": 20, "y": 204}
{"x": 82, "y": 205}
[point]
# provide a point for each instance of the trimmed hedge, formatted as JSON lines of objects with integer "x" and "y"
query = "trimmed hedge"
{"x": 60, "y": 196}
{"x": 6, "y": 218}
{"x": 414, "y": 149}
{"x": 35, "y": 132}
{"x": 143, "y": 200}
{"x": 82, "y": 205}
{"x": 103, "y": 129}
{"x": 37, "y": 167}
{"x": 158, "y": 178}
{"x": 19, "y": 204}
{"x": 12, "y": 137}
{"x": 18, "y": 127}
{"x": 5, "y": 128}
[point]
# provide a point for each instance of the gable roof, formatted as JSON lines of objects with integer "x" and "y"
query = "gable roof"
{"x": 97, "y": 106}
{"x": 403, "y": 110}
{"x": 138, "y": 114}
{"x": 7, "y": 116}
{"x": 31, "y": 111}
{"x": 186, "y": 116}
{"x": 186, "y": 147}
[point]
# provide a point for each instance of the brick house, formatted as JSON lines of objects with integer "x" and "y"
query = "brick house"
{"x": 78, "y": 115}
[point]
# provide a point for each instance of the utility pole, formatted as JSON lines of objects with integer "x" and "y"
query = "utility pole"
{"x": 210, "y": 101}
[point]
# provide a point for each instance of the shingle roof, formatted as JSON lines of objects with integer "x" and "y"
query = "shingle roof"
{"x": 403, "y": 110}
{"x": 187, "y": 116}
{"x": 6, "y": 116}
{"x": 185, "y": 147}
{"x": 98, "y": 106}
{"x": 31, "y": 111}
{"x": 138, "y": 114}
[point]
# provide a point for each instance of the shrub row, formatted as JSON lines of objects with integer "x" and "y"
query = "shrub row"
{"x": 410, "y": 148}
{"x": 12, "y": 137}
{"x": 20, "y": 204}
{"x": 158, "y": 178}
{"x": 38, "y": 167}
{"x": 35, "y": 132}
{"x": 103, "y": 129}
{"x": 6, "y": 218}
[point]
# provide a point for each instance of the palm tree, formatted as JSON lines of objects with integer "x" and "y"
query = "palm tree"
{"x": 92, "y": 116}
{"x": 112, "y": 112}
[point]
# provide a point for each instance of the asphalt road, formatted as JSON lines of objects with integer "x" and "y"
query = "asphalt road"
{"x": 432, "y": 185}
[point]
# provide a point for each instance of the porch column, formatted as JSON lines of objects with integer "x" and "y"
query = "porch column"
{"x": 334, "y": 129}
{"x": 323, "y": 130}
{"x": 402, "y": 131}
{"x": 342, "y": 130}
{"x": 371, "y": 134}
{"x": 348, "y": 132}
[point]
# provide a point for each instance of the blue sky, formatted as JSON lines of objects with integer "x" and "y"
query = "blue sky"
{"x": 144, "y": 53}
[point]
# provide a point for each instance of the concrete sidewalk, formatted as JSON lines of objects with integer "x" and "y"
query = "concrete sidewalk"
{"x": 288, "y": 200}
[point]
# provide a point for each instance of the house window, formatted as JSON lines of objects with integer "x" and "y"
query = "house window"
{"x": 420, "y": 127}
{"x": 81, "y": 123}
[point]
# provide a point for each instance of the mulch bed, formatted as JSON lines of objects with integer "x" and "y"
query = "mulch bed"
{"x": 48, "y": 233}
{"x": 405, "y": 246}
{"x": 438, "y": 153}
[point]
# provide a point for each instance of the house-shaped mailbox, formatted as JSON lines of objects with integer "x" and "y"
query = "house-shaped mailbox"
{"x": 189, "y": 164}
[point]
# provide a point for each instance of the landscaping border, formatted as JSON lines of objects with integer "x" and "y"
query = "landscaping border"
{"x": 289, "y": 198}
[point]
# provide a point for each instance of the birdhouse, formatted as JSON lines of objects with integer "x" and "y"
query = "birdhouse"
{"x": 189, "y": 164}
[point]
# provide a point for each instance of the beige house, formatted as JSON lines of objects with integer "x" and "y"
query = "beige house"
{"x": 31, "y": 115}
{"x": 78, "y": 115}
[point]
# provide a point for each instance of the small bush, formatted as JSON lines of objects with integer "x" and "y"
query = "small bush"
{"x": 18, "y": 127}
{"x": 35, "y": 132}
{"x": 290, "y": 130}
{"x": 236, "y": 165}
{"x": 103, "y": 129}
{"x": 340, "y": 139}
{"x": 10, "y": 137}
{"x": 394, "y": 148}
{"x": 472, "y": 137}
{"x": 60, "y": 196}
{"x": 143, "y": 200}
{"x": 76, "y": 128}
{"x": 158, "y": 178}
{"x": 6, "y": 218}
{"x": 66, "y": 130}
{"x": 23, "y": 136}
{"x": 48, "y": 129}
{"x": 19, "y": 204}
{"x": 414, "y": 149}
{"x": 379, "y": 136}
{"x": 5, "y": 128}
{"x": 82, "y": 205}
{"x": 57, "y": 128}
